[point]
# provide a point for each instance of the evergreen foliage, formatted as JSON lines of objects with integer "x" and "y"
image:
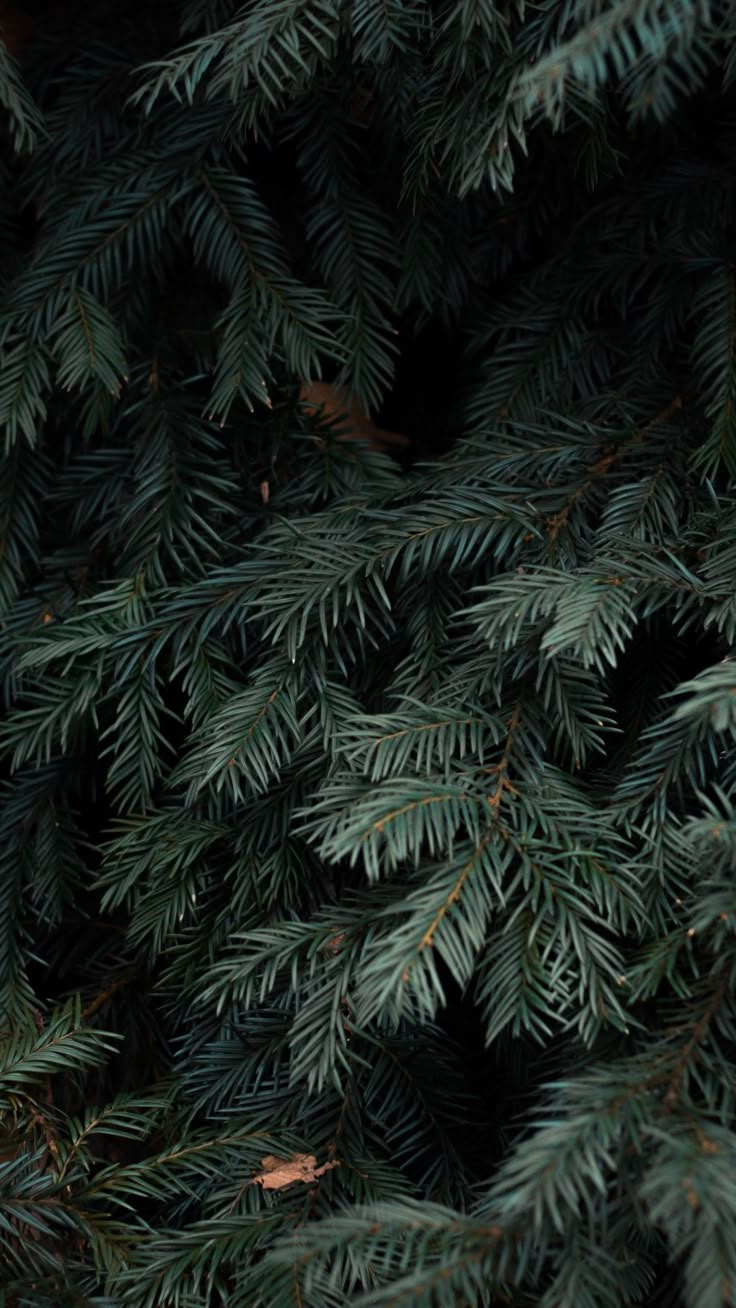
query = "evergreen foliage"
{"x": 367, "y": 834}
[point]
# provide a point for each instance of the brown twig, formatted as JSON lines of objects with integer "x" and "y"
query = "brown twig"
{"x": 690, "y": 1049}
{"x": 494, "y": 800}
{"x": 104, "y": 995}
{"x": 606, "y": 461}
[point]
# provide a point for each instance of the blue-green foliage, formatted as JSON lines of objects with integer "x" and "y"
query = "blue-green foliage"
{"x": 367, "y": 836}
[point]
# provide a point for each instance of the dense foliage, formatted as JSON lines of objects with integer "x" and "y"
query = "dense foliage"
{"x": 367, "y": 834}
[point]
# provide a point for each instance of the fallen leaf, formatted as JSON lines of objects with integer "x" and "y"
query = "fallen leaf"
{"x": 280, "y": 1172}
{"x": 328, "y": 404}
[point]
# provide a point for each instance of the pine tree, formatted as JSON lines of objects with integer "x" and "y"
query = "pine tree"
{"x": 368, "y": 838}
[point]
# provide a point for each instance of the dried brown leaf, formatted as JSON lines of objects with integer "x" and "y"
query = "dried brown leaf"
{"x": 279, "y": 1172}
{"x": 328, "y": 403}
